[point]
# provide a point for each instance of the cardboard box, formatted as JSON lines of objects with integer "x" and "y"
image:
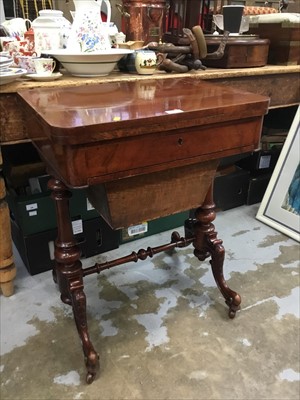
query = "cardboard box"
{"x": 37, "y": 250}
{"x": 35, "y": 213}
{"x": 153, "y": 227}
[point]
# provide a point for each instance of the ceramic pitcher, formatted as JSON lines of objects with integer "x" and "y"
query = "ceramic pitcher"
{"x": 15, "y": 27}
{"x": 89, "y": 32}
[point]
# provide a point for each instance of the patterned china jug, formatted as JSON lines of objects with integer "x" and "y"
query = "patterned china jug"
{"x": 15, "y": 27}
{"x": 89, "y": 33}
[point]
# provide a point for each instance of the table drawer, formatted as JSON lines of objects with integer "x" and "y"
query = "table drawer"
{"x": 148, "y": 151}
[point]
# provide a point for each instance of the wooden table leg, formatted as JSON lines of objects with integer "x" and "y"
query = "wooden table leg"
{"x": 69, "y": 273}
{"x": 7, "y": 266}
{"x": 207, "y": 244}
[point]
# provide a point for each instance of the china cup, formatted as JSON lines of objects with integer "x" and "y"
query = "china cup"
{"x": 44, "y": 66}
{"x": 26, "y": 62}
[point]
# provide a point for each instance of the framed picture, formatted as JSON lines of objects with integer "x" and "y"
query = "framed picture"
{"x": 280, "y": 207}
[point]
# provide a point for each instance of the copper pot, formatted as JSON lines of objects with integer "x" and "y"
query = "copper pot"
{"x": 143, "y": 20}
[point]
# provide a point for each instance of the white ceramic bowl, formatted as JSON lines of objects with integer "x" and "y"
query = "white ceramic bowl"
{"x": 89, "y": 64}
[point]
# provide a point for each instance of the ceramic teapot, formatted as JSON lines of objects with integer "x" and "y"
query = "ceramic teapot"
{"x": 89, "y": 32}
{"x": 51, "y": 30}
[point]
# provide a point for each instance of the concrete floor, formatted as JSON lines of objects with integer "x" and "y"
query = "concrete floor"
{"x": 161, "y": 326}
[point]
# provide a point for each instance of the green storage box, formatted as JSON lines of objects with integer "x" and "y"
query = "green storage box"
{"x": 35, "y": 213}
{"x": 153, "y": 227}
{"x": 37, "y": 250}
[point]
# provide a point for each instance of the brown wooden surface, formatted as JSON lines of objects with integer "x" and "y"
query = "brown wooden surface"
{"x": 117, "y": 132}
{"x": 284, "y": 41}
{"x": 268, "y": 80}
{"x": 106, "y": 132}
{"x": 283, "y": 90}
{"x": 240, "y": 53}
{"x": 152, "y": 191}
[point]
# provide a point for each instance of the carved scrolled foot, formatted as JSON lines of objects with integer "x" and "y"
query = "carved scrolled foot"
{"x": 207, "y": 244}
{"x": 92, "y": 365}
{"x": 90, "y": 378}
{"x": 234, "y": 305}
{"x": 79, "y": 310}
{"x": 232, "y": 298}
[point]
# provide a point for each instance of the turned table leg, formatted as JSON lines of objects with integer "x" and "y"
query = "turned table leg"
{"x": 207, "y": 244}
{"x": 69, "y": 274}
{"x": 7, "y": 266}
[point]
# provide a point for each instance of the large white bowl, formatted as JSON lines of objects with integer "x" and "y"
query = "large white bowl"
{"x": 89, "y": 64}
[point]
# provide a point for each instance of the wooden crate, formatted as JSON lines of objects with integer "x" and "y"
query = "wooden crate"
{"x": 284, "y": 41}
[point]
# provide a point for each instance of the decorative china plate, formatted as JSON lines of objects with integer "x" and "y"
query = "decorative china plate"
{"x": 44, "y": 78}
{"x": 5, "y": 61}
{"x": 89, "y": 64}
{"x": 8, "y": 75}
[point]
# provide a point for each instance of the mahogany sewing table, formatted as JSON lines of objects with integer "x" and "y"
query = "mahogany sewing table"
{"x": 144, "y": 150}
{"x": 268, "y": 81}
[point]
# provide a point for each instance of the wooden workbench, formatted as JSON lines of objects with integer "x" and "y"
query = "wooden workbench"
{"x": 280, "y": 83}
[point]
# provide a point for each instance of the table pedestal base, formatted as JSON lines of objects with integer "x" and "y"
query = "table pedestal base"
{"x": 69, "y": 274}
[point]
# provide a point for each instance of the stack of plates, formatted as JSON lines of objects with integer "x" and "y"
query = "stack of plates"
{"x": 8, "y": 74}
{"x": 5, "y": 61}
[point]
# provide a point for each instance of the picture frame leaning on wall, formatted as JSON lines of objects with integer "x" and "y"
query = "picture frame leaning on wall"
{"x": 280, "y": 207}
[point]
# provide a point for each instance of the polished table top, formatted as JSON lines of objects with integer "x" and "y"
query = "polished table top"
{"x": 131, "y": 135}
{"x": 134, "y": 127}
